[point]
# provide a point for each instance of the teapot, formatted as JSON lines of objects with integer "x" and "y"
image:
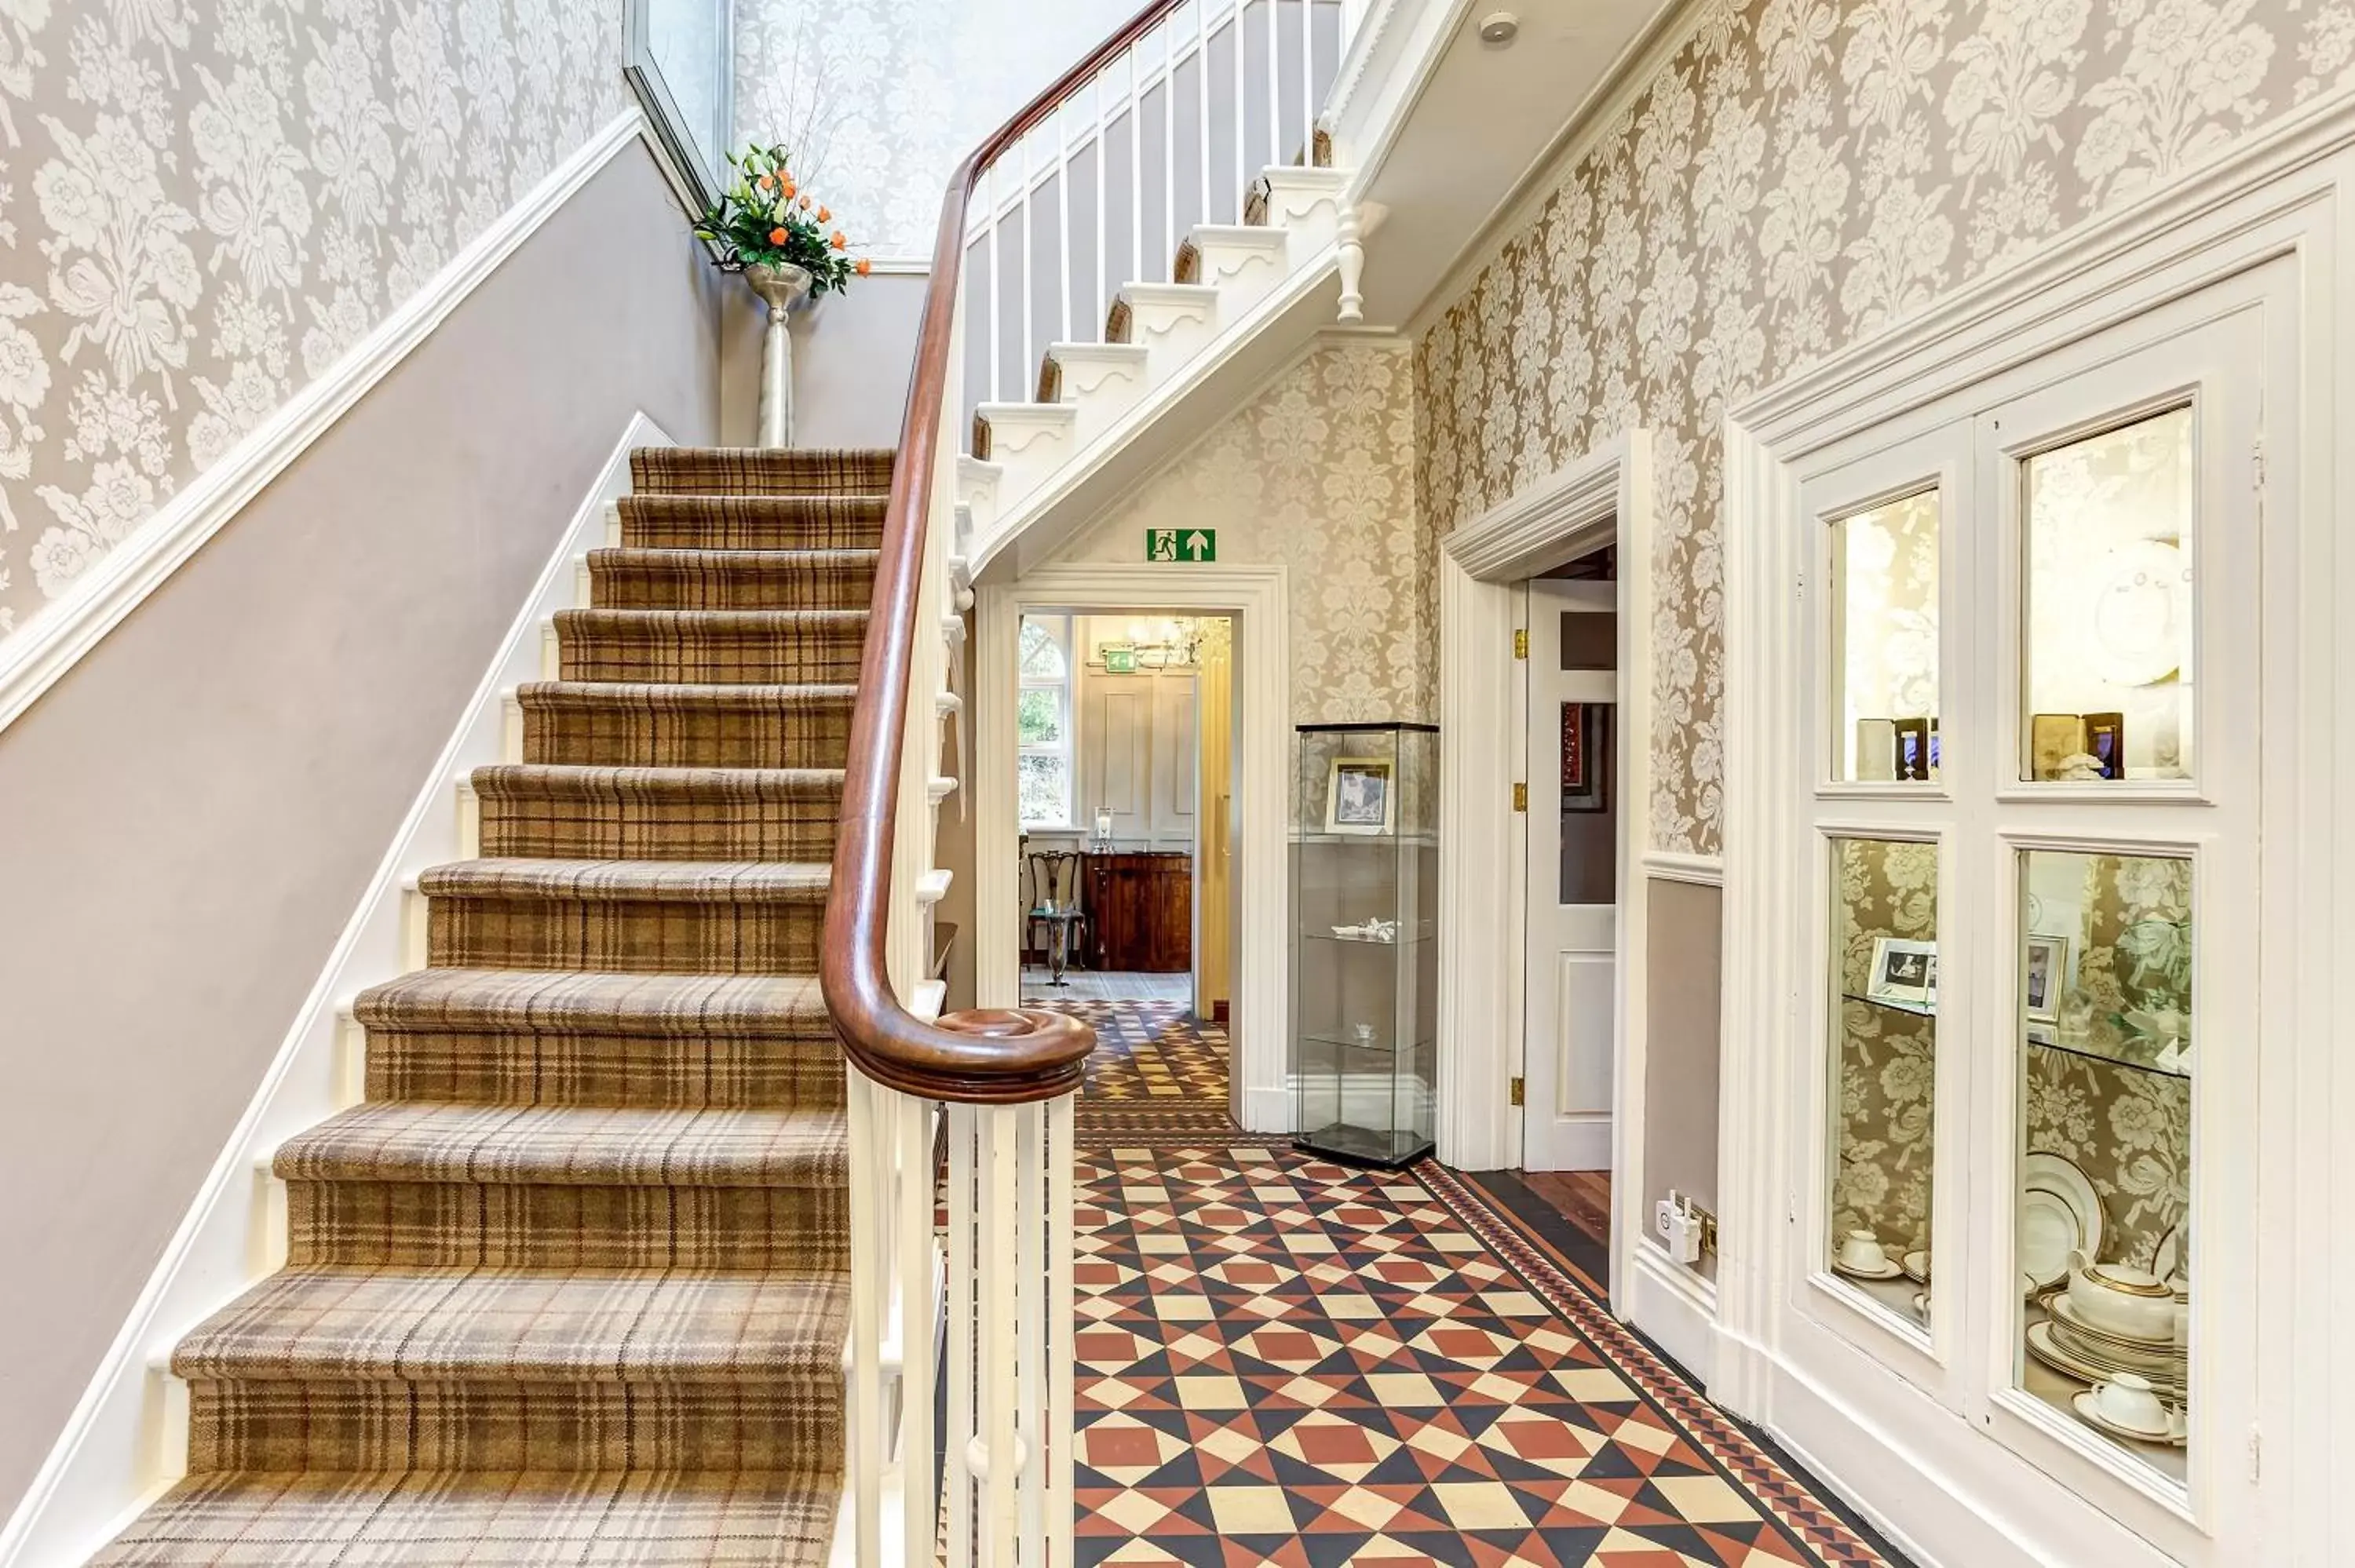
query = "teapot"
{"x": 2119, "y": 1299}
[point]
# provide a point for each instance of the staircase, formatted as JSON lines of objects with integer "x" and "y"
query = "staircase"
{"x": 1181, "y": 256}
{"x": 573, "y": 1284}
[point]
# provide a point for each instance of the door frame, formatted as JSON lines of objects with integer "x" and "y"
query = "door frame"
{"x": 1604, "y": 496}
{"x": 1257, "y": 597}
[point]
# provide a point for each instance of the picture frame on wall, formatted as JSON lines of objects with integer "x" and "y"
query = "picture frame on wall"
{"x": 1905, "y": 973}
{"x": 1360, "y": 795}
{"x": 2043, "y": 976}
{"x": 1586, "y": 756}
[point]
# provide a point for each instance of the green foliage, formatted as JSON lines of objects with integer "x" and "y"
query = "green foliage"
{"x": 765, "y": 218}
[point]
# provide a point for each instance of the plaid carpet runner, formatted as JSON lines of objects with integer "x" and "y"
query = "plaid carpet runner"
{"x": 570, "y": 1285}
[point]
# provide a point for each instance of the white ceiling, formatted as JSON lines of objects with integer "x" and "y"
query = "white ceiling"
{"x": 1487, "y": 117}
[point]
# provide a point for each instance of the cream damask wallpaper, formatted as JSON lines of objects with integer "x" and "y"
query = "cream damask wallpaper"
{"x": 879, "y": 98}
{"x": 1316, "y": 473}
{"x": 1798, "y": 174}
{"x": 204, "y": 202}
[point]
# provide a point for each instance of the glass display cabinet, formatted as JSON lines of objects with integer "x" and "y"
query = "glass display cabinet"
{"x": 1365, "y": 967}
{"x": 2064, "y": 1042}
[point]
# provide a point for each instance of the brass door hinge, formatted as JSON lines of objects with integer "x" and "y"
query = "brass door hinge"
{"x": 1520, "y": 797}
{"x": 1521, "y": 644}
{"x": 1520, "y": 1092}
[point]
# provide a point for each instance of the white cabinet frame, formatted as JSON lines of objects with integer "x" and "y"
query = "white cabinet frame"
{"x": 1926, "y": 1438}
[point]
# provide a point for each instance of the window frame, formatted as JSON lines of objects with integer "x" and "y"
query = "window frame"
{"x": 1058, "y": 628}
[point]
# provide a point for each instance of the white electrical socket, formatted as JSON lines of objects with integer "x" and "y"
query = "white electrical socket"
{"x": 1678, "y": 1227}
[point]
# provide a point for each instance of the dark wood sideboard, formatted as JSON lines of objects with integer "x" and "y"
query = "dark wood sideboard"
{"x": 1140, "y": 911}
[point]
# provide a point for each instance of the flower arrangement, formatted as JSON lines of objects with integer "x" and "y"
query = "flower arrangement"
{"x": 767, "y": 220}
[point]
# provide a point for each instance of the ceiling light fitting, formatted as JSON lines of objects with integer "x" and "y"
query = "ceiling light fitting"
{"x": 1498, "y": 28}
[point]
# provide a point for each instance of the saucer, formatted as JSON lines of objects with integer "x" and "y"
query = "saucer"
{"x": 2176, "y": 1436}
{"x": 1916, "y": 1265}
{"x": 1888, "y": 1270}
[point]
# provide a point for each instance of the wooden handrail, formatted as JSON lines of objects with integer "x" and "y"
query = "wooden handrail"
{"x": 993, "y": 1057}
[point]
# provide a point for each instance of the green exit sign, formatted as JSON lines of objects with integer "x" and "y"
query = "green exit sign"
{"x": 1181, "y": 545}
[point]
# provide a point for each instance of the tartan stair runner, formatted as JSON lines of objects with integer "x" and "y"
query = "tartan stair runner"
{"x": 570, "y": 1285}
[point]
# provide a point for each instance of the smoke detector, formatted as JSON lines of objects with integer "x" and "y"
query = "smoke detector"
{"x": 1499, "y": 29}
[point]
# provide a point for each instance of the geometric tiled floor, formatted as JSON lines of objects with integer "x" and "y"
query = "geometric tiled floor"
{"x": 1157, "y": 1076}
{"x": 1287, "y": 1360}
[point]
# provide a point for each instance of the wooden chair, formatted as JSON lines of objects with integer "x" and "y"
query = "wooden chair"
{"x": 1055, "y": 905}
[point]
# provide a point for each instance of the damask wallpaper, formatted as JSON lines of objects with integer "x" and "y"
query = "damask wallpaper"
{"x": 1317, "y": 473}
{"x": 1798, "y": 174}
{"x": 204, "y": 202}
{"x": 879, "y": 98}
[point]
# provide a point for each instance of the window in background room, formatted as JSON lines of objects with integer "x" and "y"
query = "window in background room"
{"x": 1043, "y": 720}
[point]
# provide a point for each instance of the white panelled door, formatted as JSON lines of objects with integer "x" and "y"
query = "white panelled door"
{"x": 1569, "y": 1033}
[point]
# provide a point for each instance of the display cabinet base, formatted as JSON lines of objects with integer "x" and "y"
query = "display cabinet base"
{"x": 1381, "y": 1149}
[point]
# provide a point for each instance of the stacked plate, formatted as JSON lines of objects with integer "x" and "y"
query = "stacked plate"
{"x": 2067, "y": 1342}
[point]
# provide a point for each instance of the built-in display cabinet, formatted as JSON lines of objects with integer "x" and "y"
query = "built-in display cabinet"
{"x": 2008, "y": 914}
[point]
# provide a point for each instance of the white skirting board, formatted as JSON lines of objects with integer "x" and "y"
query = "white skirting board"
{"x": 54, "y": 639}
{"x": 1675, "y": 1304}
{"x": 126, "y": 1438}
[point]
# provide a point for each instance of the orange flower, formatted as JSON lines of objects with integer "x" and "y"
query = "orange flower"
{"x": 768, "y": 182}
{"x": 864, "y": 266}
{"x": 789, "y": 190}
{"x": 804, "y": 204}
{"x": 824, "y": 216}
{"x": 776, "y": 237}
{"x": 839, "y": 242}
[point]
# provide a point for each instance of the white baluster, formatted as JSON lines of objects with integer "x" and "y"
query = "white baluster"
{"x": 1275, "y": 89}
{"x": 1202, "y": 102}
{"x": 1030, "y": 1328}
{"x": 1103, "y": 151}
{"x": 1136, "y": 171}
{"x": 1027, "y": 360}
{"x": 998, "y": 1457}
{"x": 1235, "y": 39}
{"x": 1307, "y": 81}
{"x": 1063, "y": 204}
{"x": 1168, "y": 151}
{"x": 1062, "y": 1319}
{"x": 962, "y": 1305}
{"x": 865, "y": 1437}
{"x": 920, "y": 1509}
{"x": 997, "y": 291}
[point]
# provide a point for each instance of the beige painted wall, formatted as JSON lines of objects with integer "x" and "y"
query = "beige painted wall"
{"x": 853, "y": 355}
{"x": 1685, "y": 943}
{"x": 188, "y": 819}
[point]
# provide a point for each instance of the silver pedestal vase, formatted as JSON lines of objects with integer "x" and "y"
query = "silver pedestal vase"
{"x": 781, "y": 288}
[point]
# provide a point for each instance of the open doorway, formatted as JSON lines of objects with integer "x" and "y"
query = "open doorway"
{"x": 1215, "y": 633}
{"x": 1125, "y": 790}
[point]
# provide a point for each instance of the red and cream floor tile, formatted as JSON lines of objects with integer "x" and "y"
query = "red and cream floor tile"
{"x": 1285, "y": 1361}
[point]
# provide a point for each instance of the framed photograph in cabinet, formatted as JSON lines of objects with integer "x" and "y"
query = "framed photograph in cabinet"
{"x": 2043, "y": 976}
{"x": 1359, "y": 796}
{"x": 1905, "y": 973}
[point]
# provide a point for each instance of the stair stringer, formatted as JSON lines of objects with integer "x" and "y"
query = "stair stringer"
{"x": 126, "y": 1441}
{"x": 1171, "y": 415}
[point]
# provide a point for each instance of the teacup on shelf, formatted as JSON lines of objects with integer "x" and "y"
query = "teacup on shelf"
{"x": 1862, "y": 1253}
